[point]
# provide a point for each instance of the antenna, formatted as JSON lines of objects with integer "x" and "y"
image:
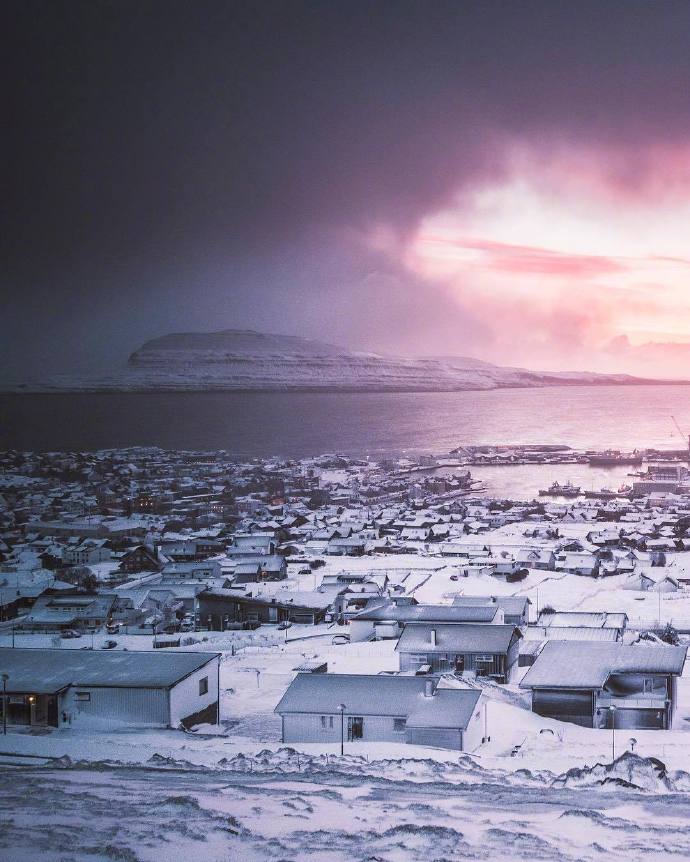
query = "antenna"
{"x": 682, "y": 434}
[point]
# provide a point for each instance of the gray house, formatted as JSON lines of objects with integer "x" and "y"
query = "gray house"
{"x": 381, "y": 708}
{"x": 61, "y": 688}
{"x": 556, "y": 621}
{"x": 485, "y": 650}
{"x": 580, "y": 682}
{"x": 515, "y": 608}
{"x": 387, "y": 620}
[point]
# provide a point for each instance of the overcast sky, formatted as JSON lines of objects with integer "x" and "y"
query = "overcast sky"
{"x": 508, "y": 180}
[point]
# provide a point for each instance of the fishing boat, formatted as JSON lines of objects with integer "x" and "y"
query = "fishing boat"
{"x": 558, "y": 490}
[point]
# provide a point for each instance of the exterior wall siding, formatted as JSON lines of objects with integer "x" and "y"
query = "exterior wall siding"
{"x": 305, "y": 727}
{"x": 446, "y": 662}
{"x": 146, "y": 707}
{"x": 185, "y": 699}
{"x": 437, "y": 737}
{"x": 572, "y": 706}
{"x": 474, "y": 732}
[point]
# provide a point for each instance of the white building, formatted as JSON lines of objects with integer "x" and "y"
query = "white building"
{"x": 62, "y": 688}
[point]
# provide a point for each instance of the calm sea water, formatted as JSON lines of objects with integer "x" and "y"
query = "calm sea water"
{"x": 300, "y": 424}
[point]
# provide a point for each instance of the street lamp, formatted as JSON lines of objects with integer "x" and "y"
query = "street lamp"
{"x": 612, "y": 710}
{"x": 341, "y": 710}
{"x": 5, "y": 677}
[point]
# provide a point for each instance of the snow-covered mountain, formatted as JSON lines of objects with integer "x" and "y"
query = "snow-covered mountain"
{"x": 244, "y": 360}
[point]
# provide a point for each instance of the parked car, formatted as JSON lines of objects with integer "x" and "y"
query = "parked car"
{"x": 68, "y": 634}
{"x": 243, "y": 625}
{"x": 113, "y": 628}
{"x": 284, "y": 625}
{"x": 339, "y": 640}
{"x": 109, "y": 644}
{"x": 187, "y": 626}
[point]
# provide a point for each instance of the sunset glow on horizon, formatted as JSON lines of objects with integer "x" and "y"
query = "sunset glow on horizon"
{"x": 567, "y": 257}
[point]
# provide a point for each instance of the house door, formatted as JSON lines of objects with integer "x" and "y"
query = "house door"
{"x": 355, "y": 727}
{"x": 459, "y": 663}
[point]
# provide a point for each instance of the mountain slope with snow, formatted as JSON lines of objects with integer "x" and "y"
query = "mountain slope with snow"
{"x": 243, "y": 360}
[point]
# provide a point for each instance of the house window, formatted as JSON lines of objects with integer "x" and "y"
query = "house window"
{"x": 399, "y": 724}
{"x": 326, "y": 722}
{"x": 83, "y": 695}
{"x": 203, "y": 686}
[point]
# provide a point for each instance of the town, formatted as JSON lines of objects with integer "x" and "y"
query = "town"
{"x": 338, "y": 605}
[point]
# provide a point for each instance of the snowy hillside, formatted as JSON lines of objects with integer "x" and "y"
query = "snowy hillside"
{"x": 245, "y": 360}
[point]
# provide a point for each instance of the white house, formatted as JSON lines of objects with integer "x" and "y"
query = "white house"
{"x": 99, "y": 689}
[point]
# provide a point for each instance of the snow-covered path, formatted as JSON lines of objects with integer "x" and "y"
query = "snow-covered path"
{"x": 284, "y": 809}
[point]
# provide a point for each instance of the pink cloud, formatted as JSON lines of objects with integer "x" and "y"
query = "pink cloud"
{"x": 505, "y": 257}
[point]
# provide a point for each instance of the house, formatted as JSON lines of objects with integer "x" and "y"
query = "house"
{"x": 380, "y": 708}
{"x": 63, "y": 688}
{"x": 515, "y": 608}
{"x": 353, "y": 546}
{"x": 645, "y": 582}
{"x": 387, "y": 620}
{"x": 596, "y": 684}
{"x": 190, "y": 549}
{"x": 252, "y": 545}
{"x": 219, "y": 606}
{"x": 191, "y": 570}
{"x": 272, "y": 567}
{"x": 536, "y": 558}
{"x": 577, "y": 563}
{"x": 87, "y": 553}
{"x": 54, "y": 613}
{"x": 484, "y": 650}
{"x": 552, "y": 620}
{"x": 143, "y": 558}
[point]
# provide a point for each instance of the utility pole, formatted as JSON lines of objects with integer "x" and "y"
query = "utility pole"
{"x": 341, "y": 709}
{"x": 5, "y": 677}
{"x": 612, "y": 711}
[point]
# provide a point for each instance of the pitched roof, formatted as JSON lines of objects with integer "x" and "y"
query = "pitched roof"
{"x": 578, "y": 664}
{"x": 49, "y": 670}
{"x": 448, "y": 708}
{"x": 509, "y": 604}
{"x": 429, "y": 613}
{"x": 364, "y": 694}
{"x": 578, "y": 619}
{"x": 467, "y": 638}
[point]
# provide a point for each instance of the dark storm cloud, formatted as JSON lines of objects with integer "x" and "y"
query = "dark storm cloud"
{"x": 193, "y": 165}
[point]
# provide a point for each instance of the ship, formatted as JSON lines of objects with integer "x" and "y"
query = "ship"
{"x": 558, "y": 490}
{"x": 612, "y": 458}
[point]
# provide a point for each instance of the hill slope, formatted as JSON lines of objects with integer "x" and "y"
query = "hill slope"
{"x": 243, "y": 360}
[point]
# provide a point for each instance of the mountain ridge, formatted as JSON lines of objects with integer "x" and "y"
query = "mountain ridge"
{"x": 246, "y": 360}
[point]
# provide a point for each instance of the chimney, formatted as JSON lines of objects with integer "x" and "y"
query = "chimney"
{"x": 428, "y": 688}
{"x": 433, "y": 637}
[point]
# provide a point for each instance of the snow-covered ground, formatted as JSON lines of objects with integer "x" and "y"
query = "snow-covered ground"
{"x": 539, "y": 789}
{"x": 281, "y": 805}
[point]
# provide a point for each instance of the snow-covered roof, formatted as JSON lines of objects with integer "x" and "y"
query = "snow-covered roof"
{"x": 467, "y": 638}
{"x": 578, "y": 664}
{"x": 40, "y": 671}
{"x": 364, "y": 694}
